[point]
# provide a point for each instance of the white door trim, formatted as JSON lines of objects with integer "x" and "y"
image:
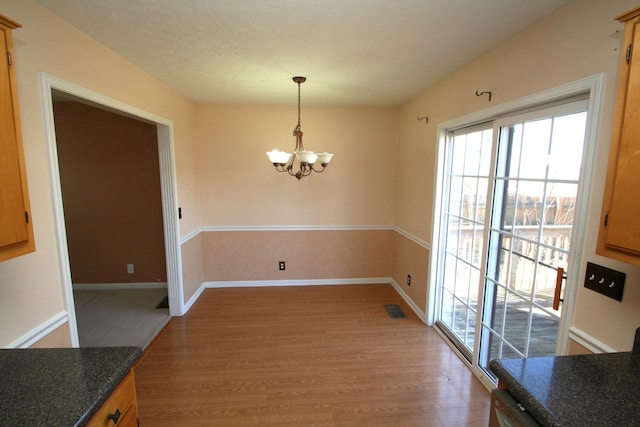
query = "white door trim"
{"x": 167, "y": 182}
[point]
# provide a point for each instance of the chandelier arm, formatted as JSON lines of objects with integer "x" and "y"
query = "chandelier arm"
{"x": 319, "y": 170}
{"x": 290, "y": 170}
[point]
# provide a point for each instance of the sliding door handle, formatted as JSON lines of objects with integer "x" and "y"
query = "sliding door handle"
{"x": 556, "y": 295}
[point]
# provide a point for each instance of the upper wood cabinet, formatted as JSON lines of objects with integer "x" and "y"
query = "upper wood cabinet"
{"x": 16, "y": 231}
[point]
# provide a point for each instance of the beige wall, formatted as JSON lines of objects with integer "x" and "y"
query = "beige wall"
{"x": 224, "y": 179}
{"x": 31, "y": 286}
{"x": 579, "y": 41}
{"x": 241, "y": 188}
{"x": 110, "y": 180}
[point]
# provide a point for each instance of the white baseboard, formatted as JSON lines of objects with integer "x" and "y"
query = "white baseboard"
{"x": 193, "y": 299}
{"x": 308, "y": 282}
{"x": 589, "y": 342}
{"x": 112, "y": 286}
{"x": 409, "y": 301}
{"x": 41, "y": 331}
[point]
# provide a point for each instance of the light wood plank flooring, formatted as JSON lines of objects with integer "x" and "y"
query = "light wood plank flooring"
{"x": 305, "y": 356}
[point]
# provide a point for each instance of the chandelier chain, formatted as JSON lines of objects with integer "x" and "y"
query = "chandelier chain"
{"x": 297, "y": 128}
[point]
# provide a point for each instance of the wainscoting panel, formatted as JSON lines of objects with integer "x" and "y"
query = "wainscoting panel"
{"x": 308, "y": 254}
{"x": 54, "y": 333}
{"x": 192, "y": 273}
{"x": 411, "y": 258}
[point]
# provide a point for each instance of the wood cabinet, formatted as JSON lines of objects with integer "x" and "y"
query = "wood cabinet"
{"x": 121, "y": 408}
{"x": 619, "y": 234}
{"x": 16, "y": 231}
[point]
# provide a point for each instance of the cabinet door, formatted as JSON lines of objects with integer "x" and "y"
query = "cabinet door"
{"x": 16, "y": 233}
{"x": 623, "y": 220}
{"x": 13, "y": 226}
{"x": 120, "y": 409}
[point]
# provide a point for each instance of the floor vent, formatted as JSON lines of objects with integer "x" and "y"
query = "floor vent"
{"x": 394, "y": 311}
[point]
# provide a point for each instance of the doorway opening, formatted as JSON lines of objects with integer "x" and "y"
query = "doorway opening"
{"x": 167, "y": 221}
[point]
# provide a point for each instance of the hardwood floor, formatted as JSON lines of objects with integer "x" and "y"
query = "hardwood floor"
{"x": 305, "y": 356}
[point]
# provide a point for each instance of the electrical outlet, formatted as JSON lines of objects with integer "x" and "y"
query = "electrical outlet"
{"x": 605, "y": 281}
{"x": 408, "y": 280}
{"x": 131, "y": 269}
{"x": 281, "y": 265}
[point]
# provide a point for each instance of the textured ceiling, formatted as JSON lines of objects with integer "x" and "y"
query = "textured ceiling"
{"x": 353, "y": 52}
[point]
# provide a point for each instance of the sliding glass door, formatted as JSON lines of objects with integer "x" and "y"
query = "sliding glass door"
{"x": 469, "y": 155}
{"x": 506, "y": 225}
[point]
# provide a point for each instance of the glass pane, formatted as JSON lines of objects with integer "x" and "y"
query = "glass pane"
{"x": 504, "y": 258}
{"x": 559, "y": 209}
{"x": 510, "y": 353}
{"x": 469, "y": 197}
{"x": 449, "y": 280}
{"x": 496, "y": 298}
{"x": 460, "y": 319}
{"x": 471, "y": 329}
{"x": 535, "y": 149}
{"x": 515, "y": 144}
{"x": 493, "y": 343}
{"x": 546, "y": 285}
{"x": 485, "y": 155}
{"x": 473, "y": 288}
{"x": 507, "y": 211}
{"x": 452, "y": 237}
{"x": 497, "y": 348}
{"x": 566, "y": 146}
{"x": 523, "y": 266}
{"x": 472, "y": 154}
{"x": 455, "y": 196}
{"x": 446, "y": 314}
{"x": 465, "y": 244}
{"x": 517, "y": 321}
{"x": 462, "y": 281}
{"x": 478, "y": 241}
{"x": 457, "y": 155}
{"x": 481, "y": 198}
{"x": 553, "y": 258}
{"x": 544, "y": 331}
{"x": 529, "y": 209}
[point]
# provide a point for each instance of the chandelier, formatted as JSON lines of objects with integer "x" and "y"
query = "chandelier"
{"x": 284, "y": 162}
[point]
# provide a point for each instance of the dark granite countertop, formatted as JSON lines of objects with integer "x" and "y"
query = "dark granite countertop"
{"x": 59, "y": 387}
{"x": 587, "y": 390}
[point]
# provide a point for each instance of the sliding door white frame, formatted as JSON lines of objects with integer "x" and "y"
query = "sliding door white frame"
{"x": 592, "y": 86}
